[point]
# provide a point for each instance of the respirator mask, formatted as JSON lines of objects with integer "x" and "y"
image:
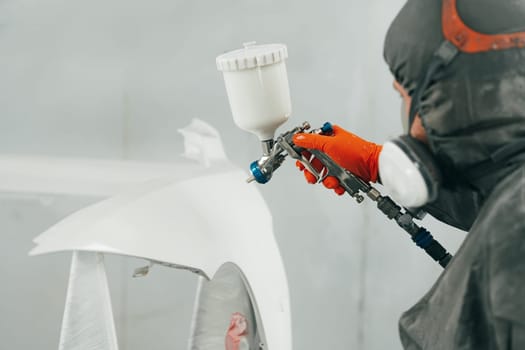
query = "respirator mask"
{"x": 409, "y": 172}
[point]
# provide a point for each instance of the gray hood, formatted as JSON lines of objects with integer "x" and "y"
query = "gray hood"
{"x": 475, "y": 105}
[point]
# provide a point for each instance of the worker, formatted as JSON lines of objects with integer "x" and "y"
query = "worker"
{"x": 459, "y": 67}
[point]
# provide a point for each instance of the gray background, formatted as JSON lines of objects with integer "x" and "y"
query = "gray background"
{"x": 115, "y": 79}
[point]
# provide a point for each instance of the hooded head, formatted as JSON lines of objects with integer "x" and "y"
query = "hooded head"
{"x": 474, "y": 106}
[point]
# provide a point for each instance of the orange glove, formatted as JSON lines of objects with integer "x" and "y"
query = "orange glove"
{"x": 348, "y": 150}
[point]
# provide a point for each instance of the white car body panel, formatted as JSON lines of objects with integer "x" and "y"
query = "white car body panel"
{"x": 199, "y": 217}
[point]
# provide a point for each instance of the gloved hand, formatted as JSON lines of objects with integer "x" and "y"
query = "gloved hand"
{"x": 348, "y": 150}
{"x": 330, "y": 182}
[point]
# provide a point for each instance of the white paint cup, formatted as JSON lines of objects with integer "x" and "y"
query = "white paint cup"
{"x": 257, "y": 87}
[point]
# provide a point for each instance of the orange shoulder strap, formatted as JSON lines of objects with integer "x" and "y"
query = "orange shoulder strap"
{"x": 468, "y": 40}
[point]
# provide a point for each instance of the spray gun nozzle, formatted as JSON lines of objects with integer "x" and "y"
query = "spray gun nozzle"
{"x": 260, "y": 172}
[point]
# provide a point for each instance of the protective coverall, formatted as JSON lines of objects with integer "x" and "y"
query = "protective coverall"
{"x": 473, "y": 113}
{"x": 475, "y": 107}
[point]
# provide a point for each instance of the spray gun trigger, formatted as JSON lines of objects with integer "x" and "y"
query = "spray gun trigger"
{"x": 320, "y": 175}
{"x": 323, "y": 175}
{"x": 308, "y": 164}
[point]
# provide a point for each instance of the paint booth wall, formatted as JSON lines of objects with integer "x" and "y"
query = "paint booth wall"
{"x": 116, "y": 79}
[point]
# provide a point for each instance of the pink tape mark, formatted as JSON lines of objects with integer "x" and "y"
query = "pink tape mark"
{"x": 237, "y": 330}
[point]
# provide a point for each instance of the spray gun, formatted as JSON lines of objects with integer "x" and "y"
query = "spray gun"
{"x": 275, "y": 152}
{"x": 257, "y": 87}
{"x": 357, "y": 188}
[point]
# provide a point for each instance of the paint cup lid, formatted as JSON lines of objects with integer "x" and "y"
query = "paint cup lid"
{"x": 251, "y": 56}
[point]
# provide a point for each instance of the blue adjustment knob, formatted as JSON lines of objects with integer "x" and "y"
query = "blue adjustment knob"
{"x": 257, "y": 173}
{"x": 327, "y": 128}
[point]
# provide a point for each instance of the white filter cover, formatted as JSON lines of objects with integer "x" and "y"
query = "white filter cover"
{"x": 251, "y": 56}
{"x": 402, "y": 177}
